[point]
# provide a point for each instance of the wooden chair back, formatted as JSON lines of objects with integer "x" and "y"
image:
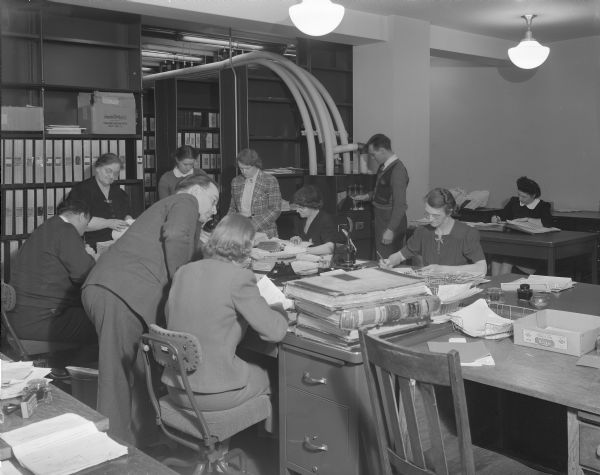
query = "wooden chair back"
{"x": 9, "y": 299}
{"x": 401, "y": 385}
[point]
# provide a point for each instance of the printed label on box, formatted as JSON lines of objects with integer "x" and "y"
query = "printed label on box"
{"x": 110, "y": 100}
{"x": 545, "y": 339}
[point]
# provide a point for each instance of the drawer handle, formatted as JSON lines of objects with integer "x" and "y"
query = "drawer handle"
{"x": 315, "y": 448}
{"x": 308, "y": 379}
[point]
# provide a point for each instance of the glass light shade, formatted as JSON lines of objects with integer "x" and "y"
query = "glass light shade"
{"x": 528, "y": 54}
{"x": 316, "y": 17}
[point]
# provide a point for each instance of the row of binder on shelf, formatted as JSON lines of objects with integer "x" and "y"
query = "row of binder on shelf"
{"x": 187, "y": 119}
{"x": 199, "y": 139}
{"x": 25, "y": 210}
{"x": 148, "y": 124}
{"x": 54, "y": 161}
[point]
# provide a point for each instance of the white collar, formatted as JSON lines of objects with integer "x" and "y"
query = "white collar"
{"x": 531, "y": 205}
{"x": 178, "y": 173}
{"x": 389, "y": 161}
{"x": 63, "y": 218}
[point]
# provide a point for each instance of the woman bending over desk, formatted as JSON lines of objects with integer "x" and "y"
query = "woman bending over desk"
{"x": 314, "y": 225}
{"x": 216, "y": 299}
{"x": 446, "y": 245}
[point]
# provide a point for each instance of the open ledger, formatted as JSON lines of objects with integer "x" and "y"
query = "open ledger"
{"x": 527, "y": 227}
{"x": 61, "y": 445}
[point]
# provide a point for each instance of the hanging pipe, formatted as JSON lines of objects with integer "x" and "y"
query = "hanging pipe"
{"x": 307, "y": 82}
{"x": 304, "y": 113}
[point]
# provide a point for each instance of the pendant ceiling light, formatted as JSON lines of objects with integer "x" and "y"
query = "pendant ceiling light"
{"x": 316, "y": 17}
{"x": 528, "y": 54}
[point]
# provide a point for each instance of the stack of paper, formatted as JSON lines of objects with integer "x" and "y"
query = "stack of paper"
{"x": 540, "y": 283}
{"x": 478, "y": 320}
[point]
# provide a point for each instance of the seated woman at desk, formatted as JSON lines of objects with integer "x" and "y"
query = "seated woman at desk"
{"x": 446, "y": 245}
{"x": 526, "y": 206}
{"x": 216, "y": 299}
{"x": 314, "y": 225}
{"x": 108, "y": 203}
{"x": 184, "y": 157}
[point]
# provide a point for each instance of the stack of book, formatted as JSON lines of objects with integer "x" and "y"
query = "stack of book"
{"x": 368, "y": 297}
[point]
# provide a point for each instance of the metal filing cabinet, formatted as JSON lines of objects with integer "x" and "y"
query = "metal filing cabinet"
{"x": 325, "y": 421}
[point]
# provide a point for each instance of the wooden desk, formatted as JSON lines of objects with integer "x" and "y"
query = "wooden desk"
{"x": 548, "y": 247}
{"x": 323, "y": 398}
{"x": 134, "y": 463}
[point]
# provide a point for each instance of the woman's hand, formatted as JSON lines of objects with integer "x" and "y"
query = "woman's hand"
{"x": 295, "y": 240}
{"x": 495, "y": 219}
{"x": 117, "y": 224}
{"x": 436, "y": 269}
{"x": 391, "y": 261}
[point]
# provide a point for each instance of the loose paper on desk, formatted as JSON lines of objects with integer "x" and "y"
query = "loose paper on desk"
{"x": 471, "y": 353}
{"x": 16, "y": 375}
{"x": 540, "y": 283}
{"x": 61, "y": 445}
{"x": 479, "y": 320}
{"x": 271, "y": 293}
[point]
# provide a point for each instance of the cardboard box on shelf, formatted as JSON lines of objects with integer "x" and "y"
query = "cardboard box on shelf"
{"x": 28, "y": 119}
{"x": 107, "y": 113}
{"x": 556, "y": 330}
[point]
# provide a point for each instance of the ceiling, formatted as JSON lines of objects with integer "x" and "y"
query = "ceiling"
{"x": 557, "y": 20}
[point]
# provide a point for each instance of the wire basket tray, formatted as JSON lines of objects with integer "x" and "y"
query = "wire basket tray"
{"x": 512, "y": 312}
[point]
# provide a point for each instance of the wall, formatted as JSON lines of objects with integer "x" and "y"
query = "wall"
{"x": 391, "y": 96}
{"x": 491, "y": 125}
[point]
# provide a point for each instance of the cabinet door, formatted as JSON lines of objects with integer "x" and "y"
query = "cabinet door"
{"x": 317, "y": 435}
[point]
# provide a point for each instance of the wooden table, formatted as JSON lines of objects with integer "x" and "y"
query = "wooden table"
{"x": 541, "y": 374}
{"x": 549, "y": 247}
{"x": 135, "y": 462}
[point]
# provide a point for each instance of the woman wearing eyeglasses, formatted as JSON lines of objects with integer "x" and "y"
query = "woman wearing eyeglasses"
{"x": 446, "y": 245}
{"x": 255, "y": 194}
{"x": 109, "y": 205}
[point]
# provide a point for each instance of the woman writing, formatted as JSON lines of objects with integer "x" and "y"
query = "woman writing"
{"x": 185, "y": 158}
{"x": 314, "y": 225}
{"x": 528, "y": 207}
{"x": 255, "y": 194}
{"x": 446, "y": 245}
{"x": 216, "y": 299}
{"x": 109, "y": 204}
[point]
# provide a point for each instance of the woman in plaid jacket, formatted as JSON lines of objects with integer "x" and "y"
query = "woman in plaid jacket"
{"x": 255, "y": 194}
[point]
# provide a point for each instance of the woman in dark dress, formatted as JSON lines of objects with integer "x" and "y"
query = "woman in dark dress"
{"x": 109, "y": 204}
{"x": 526, "y": 206}
{"x": 314, "y": 225}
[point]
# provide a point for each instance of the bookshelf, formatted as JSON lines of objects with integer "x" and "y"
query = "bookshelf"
{"x": 187, "y": 113}
{"x": 55, "y": 53}
{"x": 148, "y": 149}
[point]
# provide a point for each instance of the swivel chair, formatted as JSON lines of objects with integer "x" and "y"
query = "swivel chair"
{"x": 206, "y": 433}
{"x": 412, "y": 436}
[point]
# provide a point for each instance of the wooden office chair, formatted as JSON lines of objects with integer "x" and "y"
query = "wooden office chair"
{"x": 206, "y": 433}
{"x": 411, "y": 435}
{"x": 22, "y": 349}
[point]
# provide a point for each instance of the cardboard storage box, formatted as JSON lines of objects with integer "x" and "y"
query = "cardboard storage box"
{"x": 106, "y": 112}
{"x": 555, "y": 330}
{"x": 27, "y": 119}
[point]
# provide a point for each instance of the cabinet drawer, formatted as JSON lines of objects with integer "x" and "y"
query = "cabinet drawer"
{"x": 589, "y": 446}
{"x": 320, "y": 377}
{"x": 317, "y": 434}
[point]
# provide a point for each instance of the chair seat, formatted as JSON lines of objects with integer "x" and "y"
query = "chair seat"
{"x": 222, "y": 424}
{"x": 36, "y": 347}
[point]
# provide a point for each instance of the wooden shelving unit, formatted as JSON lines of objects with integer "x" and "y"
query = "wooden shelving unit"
{"x": 56, "y": 52}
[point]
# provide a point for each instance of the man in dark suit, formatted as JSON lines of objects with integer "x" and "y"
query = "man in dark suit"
{"x": 127, "y": 291}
